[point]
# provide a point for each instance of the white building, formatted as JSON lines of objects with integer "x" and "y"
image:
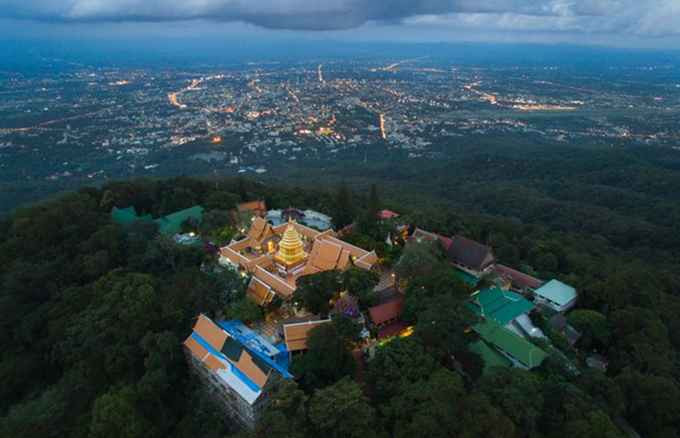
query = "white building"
{"x": 556, "y": 295}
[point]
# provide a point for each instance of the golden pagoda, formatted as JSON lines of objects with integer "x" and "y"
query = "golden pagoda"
{"x": 291, "y": 248}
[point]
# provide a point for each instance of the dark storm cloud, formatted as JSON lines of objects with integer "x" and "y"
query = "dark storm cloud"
{"x": 644, "y": 17}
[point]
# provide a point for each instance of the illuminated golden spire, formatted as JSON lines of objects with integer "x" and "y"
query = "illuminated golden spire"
{"x": 291, "y": 248}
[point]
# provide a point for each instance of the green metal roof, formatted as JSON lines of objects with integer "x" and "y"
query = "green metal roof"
{"x": 467, "y": 278}
{"x": 557, "y": 292}
{"x": 505, "y": 340}
{"x": 491, "y": 357}
{"x": 172, "y": 223}
{"x": 127, "y": 216}
{"x": 499, "y": 305}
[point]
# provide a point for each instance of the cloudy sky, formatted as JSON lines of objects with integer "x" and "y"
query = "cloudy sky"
{"x": 626, "y": 23}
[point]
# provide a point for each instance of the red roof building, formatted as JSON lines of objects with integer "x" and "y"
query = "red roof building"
{"x": 387, "y": 214}
{"x": 386, "y": 312}
{"x": 519, "y": 280}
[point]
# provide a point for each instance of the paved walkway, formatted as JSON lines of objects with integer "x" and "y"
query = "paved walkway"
{"x": 386, "y": 281}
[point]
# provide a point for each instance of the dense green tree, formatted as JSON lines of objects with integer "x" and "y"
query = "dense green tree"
{"x": 242, "y": 190}
{"x": 39, "y": 416}
{"x": 640, "y": 340}
{"x": 328, "y": 357}
{"x": 214, "y": 220}
{"x": 396, "y": 364}
{"x": 315, "y": 291}
{"x": 426, "y": 291}
{"x": 603, "y": 390}
{"x": 519, "y": 394}
{"x": 592, "y": 325}
{"x": 594, "y": 424}
{"x": 360, "y": 284}
{"x": 245, "y": 310}
{"x": 426, "y": 407}
{"x": 478, "y": 417}
{"x": 341, "y": 410}
{"x": 343, "y": 210}
{"x": 93, "y": 314}
{"x": 368, "y": 222}
{"x": 564, "y": 408}
{"x": 286, "y": 413}
{"x": 442, "y": 324}
{"x": 114, "y": 415}
{"x": 418, "y": 260}
{"x": 221, "y": 200}
{"x": 652, "y": 404}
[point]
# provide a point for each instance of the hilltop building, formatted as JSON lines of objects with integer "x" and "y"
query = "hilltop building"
{"x": 518, "y": 281}
{"x": 385, "y": 215}
{"x": 470, "y": 256}
{"x": 169, "y": 225}
{"x": 256, "y": 208}
{"x": 235, "y": 364}
{"x": 506, "y": 308}
{"x": 501, "y": 347}
{"x": 276, "y": 256}
{"x": 556, "y": 295}
{"x": 310, "y": 218}
{"x": 296, "y": 334}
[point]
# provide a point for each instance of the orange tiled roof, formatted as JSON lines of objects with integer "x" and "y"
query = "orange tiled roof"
{"x": 259, "y": 292}
{"x": 209, "y": 331}
{"x": 254, "y": 206}
{"x": 259, "y": 230}
{"x": 355, "y": 251}
{"x": 367, "y": 261}
{"x": 213, "y": 363}
{"x": 277, "y": 284}
{"x": 196, "y": 349}
{"x": 296, "y": 334}
{"x": 233, "y": 256}
{"x": 248, "y": 367}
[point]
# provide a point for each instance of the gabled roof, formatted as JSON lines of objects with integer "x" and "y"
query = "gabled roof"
{"x": 367, "y": 261}
{"x": 506, "y": 341}
{"x": 519, "y": 279}
{"x": 252, "y": 206}
{"x": 387, "y": 214}
{"x": 259, "y": 230}
{"x": 557, "y": 292}
{"x": 259, "y": 292}
{"x": 491, "y": 357}
{"x": 240, "y": 357}
{"x": 326, "y": 255}
{"x": 296, "y": 334}
{"x": 467, "y": 252}
{"x": 386, "y": 311}
{"x": 276, "y": 283}
{"x": 422, "y": 235}
{"x": 210, "y": 332}
{"x": 499, "y": 305}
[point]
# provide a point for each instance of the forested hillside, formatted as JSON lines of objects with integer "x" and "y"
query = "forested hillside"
{"x": 93, "y": 314}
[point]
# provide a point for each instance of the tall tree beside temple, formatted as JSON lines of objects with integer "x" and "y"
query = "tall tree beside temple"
{"x": 368, "y": 221}
{"x": 242, "y": 191}
{"x": 344, "y": 209}
{"x": 373, "y": 202}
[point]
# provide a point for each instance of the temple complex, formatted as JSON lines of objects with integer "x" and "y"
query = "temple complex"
{"x": 276, "y": 256}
